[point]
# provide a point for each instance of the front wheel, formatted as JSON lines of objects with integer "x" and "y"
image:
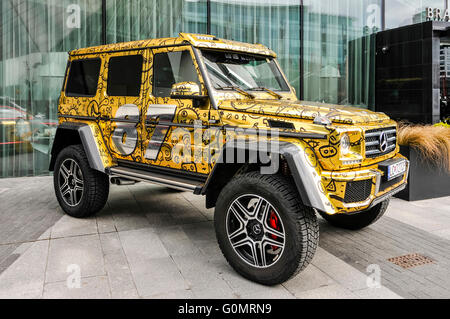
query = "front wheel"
{"x": 264, "y": 231}
{"x": 357, "y": 220}
{"x": 80, "y": 190}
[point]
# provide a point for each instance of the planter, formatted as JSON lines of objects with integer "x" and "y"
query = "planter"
{"x": 425, "y": 180}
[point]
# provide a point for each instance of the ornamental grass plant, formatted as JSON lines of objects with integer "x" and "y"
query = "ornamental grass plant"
{"x": 432, "y": 142}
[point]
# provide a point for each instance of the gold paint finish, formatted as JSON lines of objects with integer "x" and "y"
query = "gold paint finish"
{"x": 234, "y": 109}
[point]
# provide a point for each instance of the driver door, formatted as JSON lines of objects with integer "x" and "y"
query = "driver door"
{"x": 169, "y": 137}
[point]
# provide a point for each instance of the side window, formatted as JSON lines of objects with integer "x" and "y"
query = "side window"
{"x": 83, "y": 77}
{"x": 124, "y": 75}
{"x": 170, "y": 68}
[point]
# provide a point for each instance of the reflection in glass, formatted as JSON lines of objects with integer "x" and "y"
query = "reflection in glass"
{"x": 35, "y": 37}
{"x": 149, "y": 19}
{"x": 274, "y": 23}
{"x": 404, "y": 12}
{"x": 246, "y": 72}
{"x": 333, "y": 32}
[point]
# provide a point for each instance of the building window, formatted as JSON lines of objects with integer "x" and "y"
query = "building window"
{"x": 35, "y": 36}
{"x": 170, "y": 68}
{"x": 124, "y": 75}
{"x": 273, "y": 23}
{"x": 143, "y": 19}
{"x": 338, "y": 50}
{"x": 83, "y": 77}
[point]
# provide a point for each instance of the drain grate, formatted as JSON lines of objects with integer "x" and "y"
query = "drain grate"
{"x": 411, "y": 260}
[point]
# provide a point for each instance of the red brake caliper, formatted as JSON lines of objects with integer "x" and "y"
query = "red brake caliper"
{"x": 273, "y": 222}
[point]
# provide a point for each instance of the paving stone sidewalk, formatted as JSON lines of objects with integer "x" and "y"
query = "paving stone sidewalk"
{"x": 153, "y": 242}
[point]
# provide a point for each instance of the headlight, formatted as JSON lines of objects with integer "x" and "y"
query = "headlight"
{"x": 345, "y": 144}
{"x": 350, "y": 147}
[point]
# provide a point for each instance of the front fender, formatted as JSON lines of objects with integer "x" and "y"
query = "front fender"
{"x": 305, "y": 169}
{"x": 301, "y": 159}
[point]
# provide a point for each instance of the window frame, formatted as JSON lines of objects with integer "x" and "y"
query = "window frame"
{"x": 140, "y": 76}
{"x": 68, "y": 94}
{"x": 173, "y": 49}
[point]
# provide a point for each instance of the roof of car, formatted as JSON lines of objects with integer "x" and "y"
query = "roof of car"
{"x": 197, "y": 40}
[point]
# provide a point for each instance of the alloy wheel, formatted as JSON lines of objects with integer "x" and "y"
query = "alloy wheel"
{"x": 255, "y": 230}
{"x": 71, "y": 184}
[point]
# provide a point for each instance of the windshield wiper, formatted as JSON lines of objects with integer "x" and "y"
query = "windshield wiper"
{"x": 237, "y": 89}
{"x": 261, "y": 88}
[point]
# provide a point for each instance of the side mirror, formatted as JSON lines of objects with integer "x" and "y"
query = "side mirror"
{"x": 186, "y": 90}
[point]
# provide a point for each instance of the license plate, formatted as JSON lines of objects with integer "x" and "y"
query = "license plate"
{"x": 396, "y": 169}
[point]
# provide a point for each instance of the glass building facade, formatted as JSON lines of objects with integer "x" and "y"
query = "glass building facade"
{"x": 324, "y": 46}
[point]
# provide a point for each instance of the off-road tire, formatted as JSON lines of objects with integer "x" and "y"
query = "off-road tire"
{"x": 95, "y": 184}
{"x": 299, "y": 222}
{"x": 357, "y": 220}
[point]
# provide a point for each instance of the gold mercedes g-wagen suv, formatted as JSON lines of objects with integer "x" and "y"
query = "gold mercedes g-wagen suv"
{"x": 218, "y": 118}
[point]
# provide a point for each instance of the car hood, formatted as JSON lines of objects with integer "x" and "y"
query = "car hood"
{"x": 304, "y": 110}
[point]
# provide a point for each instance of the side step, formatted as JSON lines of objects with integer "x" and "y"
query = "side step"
{"x": 157, "y": 178}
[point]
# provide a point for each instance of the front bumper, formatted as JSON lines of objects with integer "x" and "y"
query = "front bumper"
{"x": 388, "y": 194}
{"x": 370, "y": 185}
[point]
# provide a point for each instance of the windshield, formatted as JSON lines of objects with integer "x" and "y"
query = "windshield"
{"x": 247, "y": 72}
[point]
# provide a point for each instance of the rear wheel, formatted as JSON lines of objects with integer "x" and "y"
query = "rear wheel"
{"x": 263, "y": 230}
{"x": 80, "y": 190}
{"x": 357, "y": 220}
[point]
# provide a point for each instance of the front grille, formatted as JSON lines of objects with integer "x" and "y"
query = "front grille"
{"x": 386, "y": 184}
{"x": 357, "y": 191}
{"x": 372, "y": 139}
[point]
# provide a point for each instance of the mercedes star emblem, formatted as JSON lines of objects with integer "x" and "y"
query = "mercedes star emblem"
{"x": 257, "y": 229}
{"x": 383, "y": 142}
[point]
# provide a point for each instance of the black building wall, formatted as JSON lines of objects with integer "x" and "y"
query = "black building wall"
{"x": 407, "y": 72}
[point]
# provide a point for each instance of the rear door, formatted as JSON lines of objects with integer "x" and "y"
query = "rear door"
{"x": 123, "y": 97}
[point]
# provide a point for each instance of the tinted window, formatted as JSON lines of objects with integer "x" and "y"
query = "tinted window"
{"x": 245, "y": 71}
{"x": 170, "y": 68}
{"x": 83, "y": 77}
{"x": 124, "y": 75}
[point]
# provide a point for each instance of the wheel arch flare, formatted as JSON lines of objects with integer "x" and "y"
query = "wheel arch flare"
{"x": 87, "y": 134}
